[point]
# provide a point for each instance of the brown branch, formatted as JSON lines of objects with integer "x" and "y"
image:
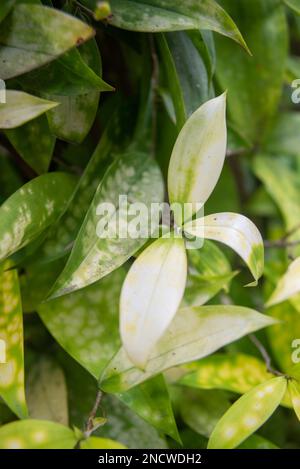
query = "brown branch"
{"x": 266, "y": 357}
{"x": 283, "y": 242}
{"x": 90, "y": 427}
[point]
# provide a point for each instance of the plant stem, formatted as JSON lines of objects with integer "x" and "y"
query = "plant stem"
{"x": 89, "y": 427}
{"x": 266, "y": 357}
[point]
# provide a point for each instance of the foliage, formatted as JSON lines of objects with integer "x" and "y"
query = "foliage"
{"x": 149, "y": 339}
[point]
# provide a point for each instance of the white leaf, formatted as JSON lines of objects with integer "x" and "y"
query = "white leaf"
{"x": 194, "y": 333}
{"x": 288, "y": 285}
{"x": 198, "y": 154}
{"x": 237, "y": 232}
{"x": 151, "y": 295}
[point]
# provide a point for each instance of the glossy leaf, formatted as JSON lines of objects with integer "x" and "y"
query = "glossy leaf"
{"x": 294, "y": 390}
{"x": 198, "y": 155}
{"x": 47, "y": 392}
{"x": 36, "y": 434}
{"x": 94, "y": 442}
{"x": 151, "y": 401}
{"x": 80, "y": 322}
{"x": 237, "y": 232}
{"x": 5, "y": 7}
{"x": 11, "y": 333}
{"x": 294, "y": 5}
{"x": 73, "y": 118}
{"x": 288, "y": 285}
{"x": 94, "y": 254}
{"x": 69, "y": 75}
{"x": 247, "y": 414}
{"x": 254, "y": 83}
{"x": 150, "y": 297}
{"x": 162, "y": 15}
{"x": 34, "y": 142}
{"x": 20, "y": 108}
{"x": 195, "y": 333}
{"x": 209, "y": 272}
{"x": 30, "y": 210}
{"x": 33, "y": 35}
{"x": 233, "y": 372}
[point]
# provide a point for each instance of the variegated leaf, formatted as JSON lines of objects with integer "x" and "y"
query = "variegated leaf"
{"x": 288, "y": 285}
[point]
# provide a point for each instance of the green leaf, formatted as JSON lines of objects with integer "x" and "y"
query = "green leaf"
{"x": 36, "y": 434}
{"x": 201, "y": 410}
{"x": 5, "y": 8}
{"x": 286, "y": 195}
{"x": 34, "y": 143}
{"x": 247, "y": 414}
{"x": 94, "y": 442}
{"x": 67, "y": 76}
{"x": 33, "y": 35}
{"x": 47, "y": 392}
{"x": 282, "y": 335}
{"x": 257, "y": 442}
{"x": 283, "y": 139}
{"x": 237, "y": 232}
{"x": 209, "y": 272}
{"x": 294, "y": 390}
{"x": 80, "y": 321}
{"x": 151, "y": 401}
{"x": 61, "y": 236}
{"x": 294, "y": 5}
{"x": 20, "y": 108}
{"x": 288, "y": 285}
{"x": 234, "y": 372}
{"x": 254, "y": 83}
{"x": 74, "y": 117}
{"x": 194, "y": 333}
{"x": 151, "y": 295}
{"x": 95, "y": 254}
{"x": 198, "y": 155}
{"x": 30, "y": 210}
{"x": 172, "y": 15}
{"x": 11, "y": 335}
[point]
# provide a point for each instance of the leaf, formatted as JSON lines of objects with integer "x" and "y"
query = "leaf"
{"x": 80, "y": 322}
{"x": 209, "y": 272}
{"x": 237, "y": 232}
{"x": 20, "y": 108}
{"x": 11, "y": 333}
{"x": 123, "y": 425}
{"x": 162, "y": 15}
{"x": 294, "y": 390}
{"x": 286, "y": 195}
{"x": 150, "y": 297}
{"x": 5, "y": 7}
{"x": 254, "y": 83}
{"x": 34, "y": 143}
{"x": 95, "y": 254}
{"x": 202, "y": 410}
{"x": 283, "y": 139}
{"x": 257, "y": 442}
{"x": 151, "y": 401}
{"x": 282, "y": 335}
{"x": 94, "y": 442}
{"x": 288, "y": 285}
{"x": 74, "y": 117}
{"x": 232, "y": 372}
{"x": 33, "y": 35}
{"x": 68, "y": 75}
{"x": 194, "y": 333}
{"x": 198, "y": 155}
{"x": 294, "y": 5}
{"x": 247, "y": 414}
{"x": 36, "y": 434}
{"x": 47, "y": 392}
{"x": 30, "y": 210}
{"x": 61, "y": 236}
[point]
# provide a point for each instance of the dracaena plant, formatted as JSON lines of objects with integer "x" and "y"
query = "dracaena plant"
{"x": 149, "y": 340}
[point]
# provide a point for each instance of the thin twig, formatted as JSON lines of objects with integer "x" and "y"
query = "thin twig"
{"x": 89, "y": 427}
{"x": 154, "y": 80}
{"x": 265, "y": 355}
{"x": 283, "y": 242}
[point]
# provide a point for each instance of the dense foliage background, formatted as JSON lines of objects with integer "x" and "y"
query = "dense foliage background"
{"x": 96, "y": 95}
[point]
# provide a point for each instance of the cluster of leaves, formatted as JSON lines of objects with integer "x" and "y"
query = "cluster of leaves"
{"x": 133, "y": 342}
